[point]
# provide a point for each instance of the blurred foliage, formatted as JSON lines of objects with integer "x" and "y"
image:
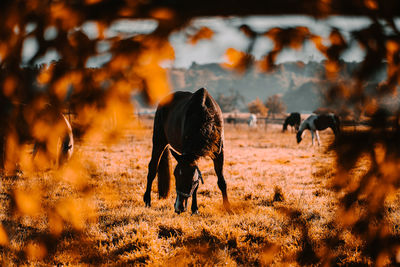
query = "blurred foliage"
{"x": 100, "y": 99}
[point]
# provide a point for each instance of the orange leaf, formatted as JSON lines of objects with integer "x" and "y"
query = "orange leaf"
{"x": 9, "y": 86}
{"x": 202, "y": 33}
{"x": 3, "y": 237}
{"x": 27, "y": 203}
{"x": 234, "y": 57}
{"x": 371, "y": 4}
{"x": 162, "y": 13}
{"x": 35, "y": 251}
{"x": 91, "y": 2}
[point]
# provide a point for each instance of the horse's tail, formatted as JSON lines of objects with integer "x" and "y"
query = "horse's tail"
{"x": 164, "y": 173}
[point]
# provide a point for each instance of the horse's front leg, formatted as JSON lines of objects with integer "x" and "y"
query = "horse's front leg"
{"x": 153, "y": 165}
{"x": 194, "y": 207}
{"x": 318, "y": 140}
{"x": 218, "y": 167}
{"x": 312, "y": 137}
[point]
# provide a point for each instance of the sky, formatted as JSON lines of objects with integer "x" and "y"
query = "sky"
{"x": 226, "y": 35}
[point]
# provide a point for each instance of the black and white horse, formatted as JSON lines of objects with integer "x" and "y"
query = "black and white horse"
{"x": 316, "y": 123}
{"x": 293, "y": 120}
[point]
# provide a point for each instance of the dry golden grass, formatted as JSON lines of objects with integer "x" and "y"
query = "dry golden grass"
{"x": 279, "y": 191}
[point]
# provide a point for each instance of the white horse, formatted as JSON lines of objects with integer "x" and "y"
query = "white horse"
{"x": 252, "y": 121}
{"x": 316, "y": 123}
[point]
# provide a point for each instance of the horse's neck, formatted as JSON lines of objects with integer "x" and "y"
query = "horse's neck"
{"x": 333, "y": 125}
{"x": 304, "y": 126}
{"x": 286, "y": 122}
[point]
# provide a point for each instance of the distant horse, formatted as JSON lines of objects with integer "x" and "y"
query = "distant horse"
{"x": 252, "y": 121}
{"x": 231, "y": 119}
{"x": 190, "y": 125}
{"x": 316, "y": 123}
{"x": 48, "y": 129}
{"x": 293, "y": 120}
{"x": 57, "y": 145}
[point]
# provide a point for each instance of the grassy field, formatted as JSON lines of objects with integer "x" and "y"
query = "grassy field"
{"x": 283, "y": 207}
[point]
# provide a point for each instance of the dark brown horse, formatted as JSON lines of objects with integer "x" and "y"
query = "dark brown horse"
{"x": 190, "y": 125}
{"x": 293, "y": 120}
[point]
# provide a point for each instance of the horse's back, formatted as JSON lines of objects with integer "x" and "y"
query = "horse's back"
{"x": 324, "y": 121}
{"x": 172, "y": 100}
{"x": 178, "y": 103}
{"x": 182, "y": 115}
{"x": 293, "y": 119}
{"x": 296, "y": 117}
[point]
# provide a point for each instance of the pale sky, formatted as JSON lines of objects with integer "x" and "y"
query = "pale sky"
{"x": 226, "y": 35}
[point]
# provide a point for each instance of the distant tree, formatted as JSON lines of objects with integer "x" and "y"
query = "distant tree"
{"x": 275, "y": 105}
{"x": 230, "y": 102}
{"x": 257, "y": 107}
{"x": 223, "y": 102}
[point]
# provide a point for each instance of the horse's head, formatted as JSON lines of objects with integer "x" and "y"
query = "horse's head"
{"x": 187, "y": 179}
{"x": 284, "y": 128}
{"x": 299, "y": 136}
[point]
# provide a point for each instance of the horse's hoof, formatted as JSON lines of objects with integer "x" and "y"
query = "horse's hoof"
{"x": 196, "y": 212}
{"x": 147, "y": 204}
{"x": 228, "y": 209}
{"x": 146, "y": 200}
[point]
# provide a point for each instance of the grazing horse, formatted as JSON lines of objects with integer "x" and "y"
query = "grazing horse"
{"x": 231, "y": 119}
{"x": 57, "y": 145}
{"x": 252, "y": 121}
{"x": 293, "y": 120}
{"x": 316, "y": 123}
{"x": 49, "y": 131}
{"x": 190, "y": 125}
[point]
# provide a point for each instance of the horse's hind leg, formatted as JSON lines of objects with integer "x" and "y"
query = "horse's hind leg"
{"x": 218, "y": 167}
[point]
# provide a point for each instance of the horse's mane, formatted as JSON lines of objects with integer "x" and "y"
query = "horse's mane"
{"x": 207, "y": 125}
{"x": 210, "y": 133}
{"x": 306, "y": 123}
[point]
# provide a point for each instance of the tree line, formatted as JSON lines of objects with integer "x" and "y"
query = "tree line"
{"x": 272, "y": 106}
